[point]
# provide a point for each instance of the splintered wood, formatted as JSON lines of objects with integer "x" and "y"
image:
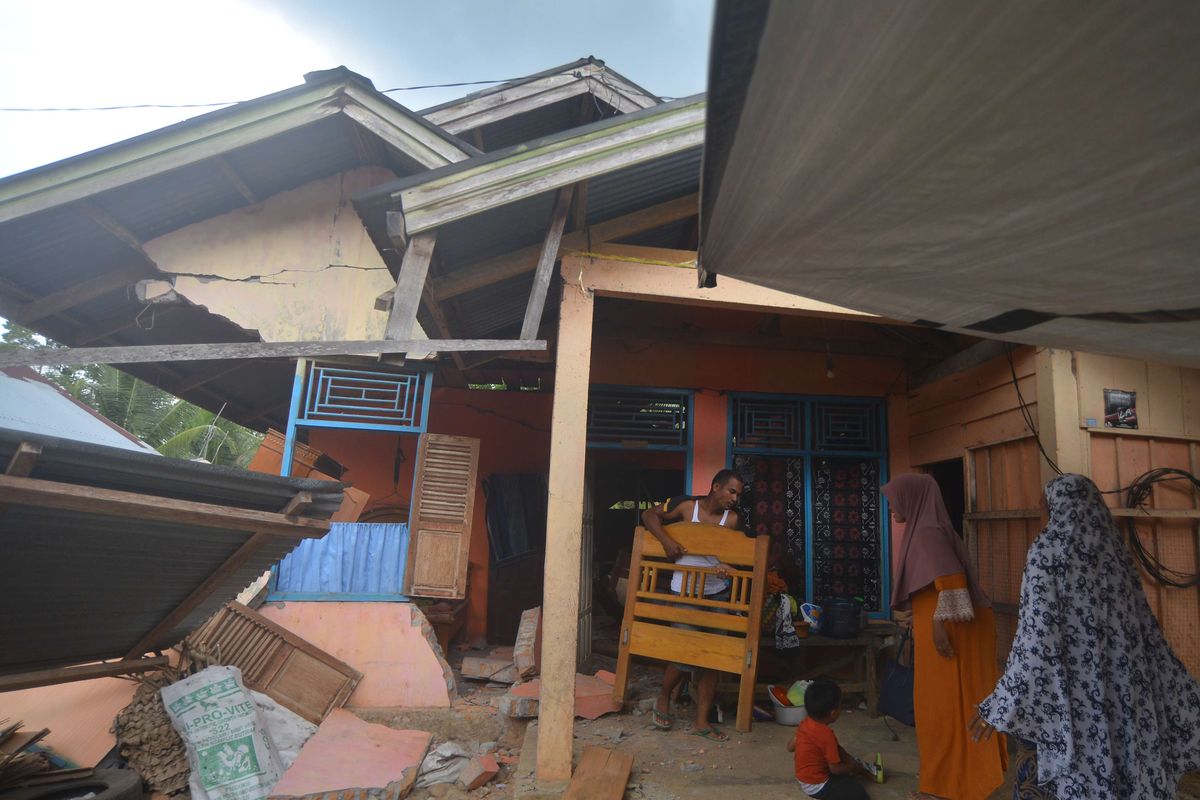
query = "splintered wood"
{"x": 18, "y": 763}
{"x": 601, "y": 775}
{"x": 275, "y": 661}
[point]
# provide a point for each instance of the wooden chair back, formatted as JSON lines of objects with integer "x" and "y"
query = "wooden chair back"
{"x": 729, "y": 641}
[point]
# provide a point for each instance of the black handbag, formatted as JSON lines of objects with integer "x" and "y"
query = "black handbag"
{"x": 896, "y": 691}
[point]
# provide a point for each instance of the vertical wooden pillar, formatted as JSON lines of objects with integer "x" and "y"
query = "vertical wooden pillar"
{"x": 564, "y": 523}
{"x": 1058, "y": 413}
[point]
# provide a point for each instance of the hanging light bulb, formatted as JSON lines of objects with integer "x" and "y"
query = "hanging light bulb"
{"x": 828, "y": 364}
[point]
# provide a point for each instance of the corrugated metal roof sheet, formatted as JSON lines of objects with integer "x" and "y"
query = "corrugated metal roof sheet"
{"x": 86, "y": 586}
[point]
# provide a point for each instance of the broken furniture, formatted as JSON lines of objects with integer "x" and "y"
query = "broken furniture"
{"x": 731, "y": 629}
{"x": 273, "y": 660}
{"x": 448, "y": 618}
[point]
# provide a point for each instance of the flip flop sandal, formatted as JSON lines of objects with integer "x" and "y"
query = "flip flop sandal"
{"x": 660, "y": 720}
{"x": 712, "y": 733}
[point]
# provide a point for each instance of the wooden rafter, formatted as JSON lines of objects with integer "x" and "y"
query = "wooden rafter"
{"x": 200, "y": 593}
{"x": 518, "y": 262}
{"x": 113, "y": 226}
{"x": 86, "y": 672}
{"x": 23, "y": 459}
{"x": 235, "y": 180}
{"x": 961, "y": 361}
{"x": 143, "y": 354}
{"x": 110, "y": 502}
{"x": 545, "y": 266}
{"x": 80, "y": 293}
{"x": 196, "y": 383}
{"x": 120, "y": 322}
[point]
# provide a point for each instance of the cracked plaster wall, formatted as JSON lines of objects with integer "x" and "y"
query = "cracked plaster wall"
{"x": 298, "y": 266}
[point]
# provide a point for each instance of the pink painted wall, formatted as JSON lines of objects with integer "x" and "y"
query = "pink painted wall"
{"x": 514, "y": 433}
{"x": 384, "y": 641}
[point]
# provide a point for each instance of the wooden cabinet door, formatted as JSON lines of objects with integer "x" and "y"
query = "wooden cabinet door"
{"x": 439, "y": 524}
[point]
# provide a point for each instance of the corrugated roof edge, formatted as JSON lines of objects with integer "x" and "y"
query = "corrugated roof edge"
{"x": 382, "y": 195}
{"x": 316, "y": 78}
{"x": 582, "y": 62}
{"x": 153, "y": 474}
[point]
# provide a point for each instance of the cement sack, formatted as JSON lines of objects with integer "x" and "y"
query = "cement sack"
{"x": 229, "y": 748}
{"x": 289, "y": 731}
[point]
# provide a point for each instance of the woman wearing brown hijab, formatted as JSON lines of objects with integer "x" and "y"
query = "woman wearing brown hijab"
{"x": 954, "y": 634}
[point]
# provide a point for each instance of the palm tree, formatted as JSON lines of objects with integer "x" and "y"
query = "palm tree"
{"x": 170, "y": 425}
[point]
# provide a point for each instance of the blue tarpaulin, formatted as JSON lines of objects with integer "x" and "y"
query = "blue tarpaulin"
{"x": 363, "y": 561}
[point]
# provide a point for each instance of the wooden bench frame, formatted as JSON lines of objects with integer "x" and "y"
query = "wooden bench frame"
{"x": 646, "y": 630}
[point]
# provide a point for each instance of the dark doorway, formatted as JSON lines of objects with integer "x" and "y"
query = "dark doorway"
{"x": 949, "y": 477}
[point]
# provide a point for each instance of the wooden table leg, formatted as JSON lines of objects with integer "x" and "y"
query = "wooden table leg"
{"x": 872, "y": 686}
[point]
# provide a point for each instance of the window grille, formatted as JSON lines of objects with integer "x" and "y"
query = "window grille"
{"x": 638, "y": 418}
{"x": 846, "y": 427}
{"x": 369, "y": 399}
{"x": 766, "y": 423}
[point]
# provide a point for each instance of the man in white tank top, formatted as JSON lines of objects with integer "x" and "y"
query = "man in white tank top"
{"x": 715, "y": 508}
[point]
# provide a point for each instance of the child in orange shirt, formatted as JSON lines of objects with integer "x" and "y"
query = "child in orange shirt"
{"x": 823, "y": 768}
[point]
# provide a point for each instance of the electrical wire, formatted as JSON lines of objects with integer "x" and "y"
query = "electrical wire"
{"x": 236, "y": 102}
{"x": 1026, "y": 414}
{"x": 1138, "y": 492}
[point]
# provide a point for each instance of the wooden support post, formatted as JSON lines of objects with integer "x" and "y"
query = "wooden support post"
{"x": 564, "y": 525}
{"x": 52, "y": 677}
{"x": 545, "y": 266}
{"x": 1058, "y": 413}
{"x": 409, "y": 285}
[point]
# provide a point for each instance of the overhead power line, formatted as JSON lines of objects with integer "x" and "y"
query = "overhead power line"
{"x": 235, "y": 102}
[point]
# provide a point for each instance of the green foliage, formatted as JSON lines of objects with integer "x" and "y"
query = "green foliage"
{"x": 170, "y": 425}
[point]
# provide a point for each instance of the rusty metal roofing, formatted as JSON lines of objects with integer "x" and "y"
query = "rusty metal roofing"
{"x": 83, "y": 586}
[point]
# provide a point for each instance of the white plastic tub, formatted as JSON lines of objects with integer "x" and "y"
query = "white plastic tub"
{"x": 786, "y": 715}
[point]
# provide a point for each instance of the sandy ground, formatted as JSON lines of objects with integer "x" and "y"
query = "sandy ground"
{"x": 672, "y": 765}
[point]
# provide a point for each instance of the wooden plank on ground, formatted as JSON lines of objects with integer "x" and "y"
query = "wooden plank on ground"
{"x": 601, "y": 775}
{"x": 276, "y": 662}
{"x": 142, "y": 354}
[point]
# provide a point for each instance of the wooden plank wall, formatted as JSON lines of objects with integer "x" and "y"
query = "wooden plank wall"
{"x": 975, "y": 407}
{"x": 1005, "y": 513}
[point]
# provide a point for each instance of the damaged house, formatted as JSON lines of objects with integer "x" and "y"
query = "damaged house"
{"x": 284, "y": 261}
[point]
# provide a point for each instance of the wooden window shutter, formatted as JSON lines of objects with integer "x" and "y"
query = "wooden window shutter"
{"x": 439, "y": 524}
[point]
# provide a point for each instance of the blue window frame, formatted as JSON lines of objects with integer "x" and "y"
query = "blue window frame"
{"x": 642, "y": 418}
{"x": 803, "y": 457}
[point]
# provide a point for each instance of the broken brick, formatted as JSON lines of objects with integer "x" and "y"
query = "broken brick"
{"x": 478, "y": 771}
{"x": 517, "y": 707}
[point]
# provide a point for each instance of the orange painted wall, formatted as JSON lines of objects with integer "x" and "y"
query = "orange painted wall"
{"x": 514, "y": 433}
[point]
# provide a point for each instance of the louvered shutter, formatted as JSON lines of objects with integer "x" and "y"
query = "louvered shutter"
{"x": 440, "y": 519}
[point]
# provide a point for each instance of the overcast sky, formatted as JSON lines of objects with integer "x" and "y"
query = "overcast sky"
{"x": 69, "y": 53}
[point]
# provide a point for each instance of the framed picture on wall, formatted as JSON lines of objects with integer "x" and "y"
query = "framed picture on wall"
{"x": 1120, "y": 409}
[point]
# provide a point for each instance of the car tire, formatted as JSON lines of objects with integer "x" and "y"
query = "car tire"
{"x": 107, "y": 784}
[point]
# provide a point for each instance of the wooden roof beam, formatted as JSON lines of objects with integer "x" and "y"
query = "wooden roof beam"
{"x": 221, "y": 351}
{"x": 545, "y": 266}
{"x": 80, "y": 293}
{"x": 86, "y": 672}
{"x": 461, "y": 191}
{"x": 235, "y": 179}
{"x": 518, "y": 262}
